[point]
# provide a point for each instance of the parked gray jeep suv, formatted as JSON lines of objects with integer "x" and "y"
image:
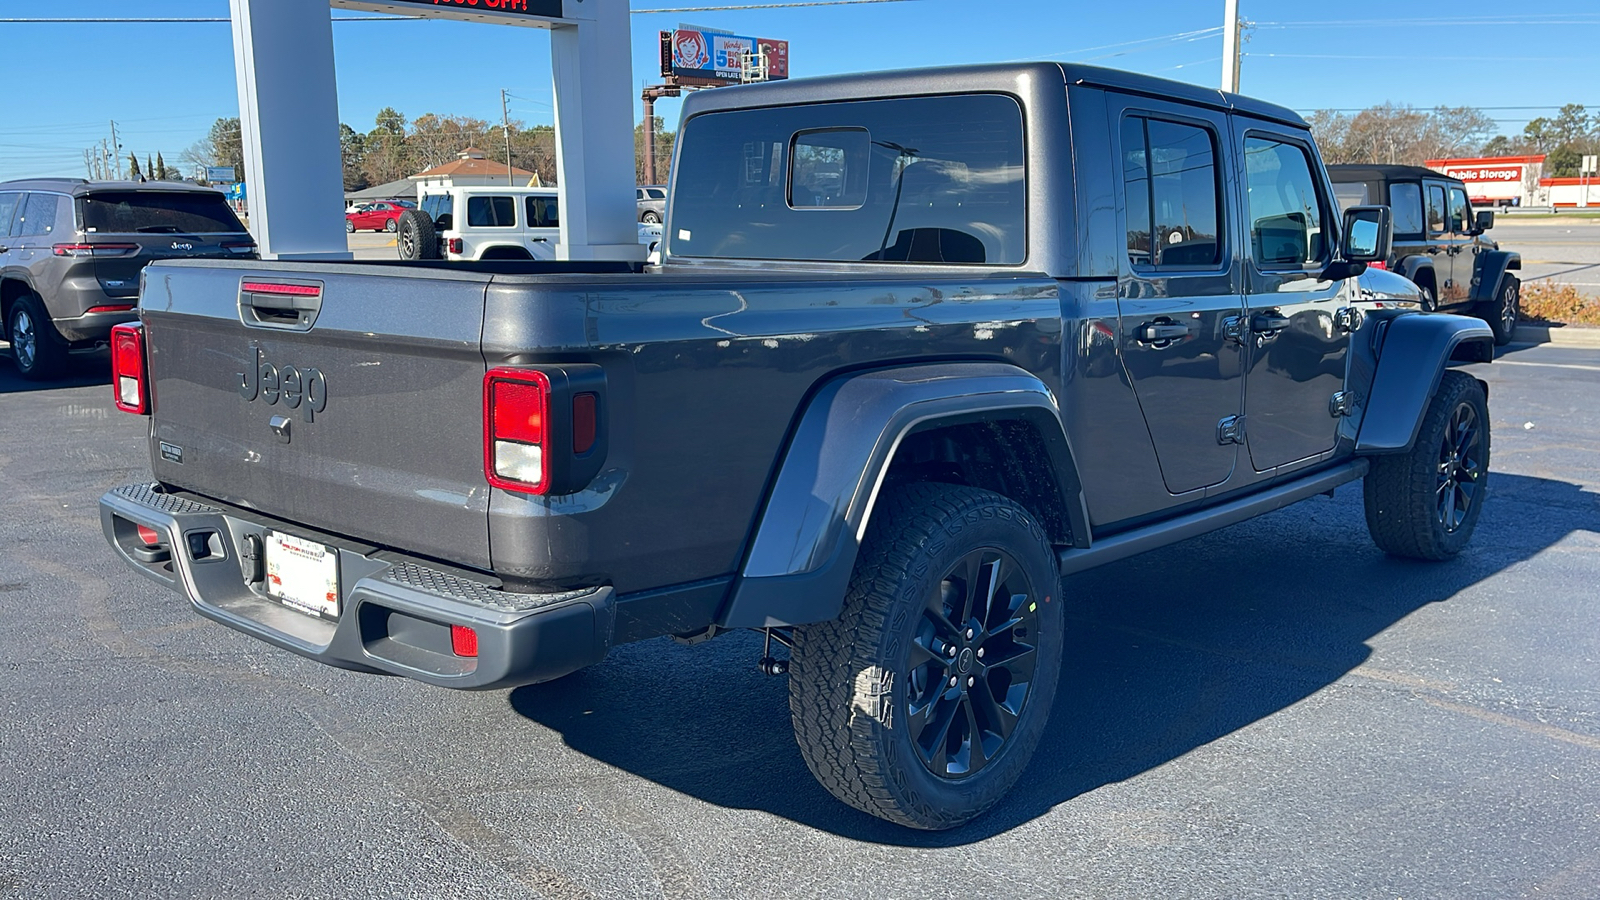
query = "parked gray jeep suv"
{"x": 71, "y": 251}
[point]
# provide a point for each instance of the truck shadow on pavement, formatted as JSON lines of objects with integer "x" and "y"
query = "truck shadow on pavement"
{"x": 83, "y": 370}
{"x": 1166, "y": 652}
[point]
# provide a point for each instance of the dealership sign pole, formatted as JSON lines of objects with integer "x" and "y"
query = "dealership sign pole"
{"x": 289, "y": 118}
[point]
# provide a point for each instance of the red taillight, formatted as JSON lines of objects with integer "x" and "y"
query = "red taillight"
{"x": 463, "y": 640}
{"x": 115, "y": 307}
{"x": 456, "y": 245}
{"x": 273, "y": 287}
{"x": 1378, "y": 264}
{"x": 95, "y": 249}
{"x": 127, "y": 368}
{"x": 149, "y": 535}
{"x": 516, "y": 404}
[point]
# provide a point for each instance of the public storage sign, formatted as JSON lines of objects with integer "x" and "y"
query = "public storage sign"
{"x": 1485, "y": 173}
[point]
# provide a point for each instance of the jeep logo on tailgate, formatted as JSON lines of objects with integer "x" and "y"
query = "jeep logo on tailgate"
{"x": 304, "y": 389}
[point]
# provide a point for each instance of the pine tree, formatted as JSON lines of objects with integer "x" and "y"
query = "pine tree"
{"x": 149, "y": 168}
{"x": 161, "y": 167}
{"x": 133, "y": 167}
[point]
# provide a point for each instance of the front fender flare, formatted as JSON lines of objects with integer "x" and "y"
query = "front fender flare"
{"x": 805, "y": 542}
{"x": 1416, "y": 348}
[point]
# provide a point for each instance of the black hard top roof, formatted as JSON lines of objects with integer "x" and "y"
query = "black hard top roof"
{"x": 1364, "y": 172}
{"x": 77, "y": 187}
{"x": 991, "y": 77}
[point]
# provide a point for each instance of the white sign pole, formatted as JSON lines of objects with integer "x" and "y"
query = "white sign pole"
{"x": 289, "y": 121}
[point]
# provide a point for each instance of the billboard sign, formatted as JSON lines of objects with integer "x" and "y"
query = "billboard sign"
{"x": 221, "y": 174}
{"x": 538, "y": 13}
{"x": 700, "y": 54}
{"x": 1486, "y": 173}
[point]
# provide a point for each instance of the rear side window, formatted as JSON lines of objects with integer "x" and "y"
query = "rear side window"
{"x": 8, "y": 211}
{"x": 925, "y": 180}
{"x": 157, "y": 212}
{"x": 1351, "y": 193}
{"x": 491, "y": 212}
{"x": 1405, "y": 201}
{"x": 38, "y": 214}
{"x": 1169, "y": 174}
{"x": 1286, "y": 220}
{"x": 543, "y": 212}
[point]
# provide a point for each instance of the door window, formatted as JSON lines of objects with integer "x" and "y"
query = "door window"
{"x": 8, "y": 211}
{"x": 1436, "y": 209}
{"x": 491, "y": 212}
{"x": 38, "y": 215}
{"x": 1405, "y": 201}
{"x": 1286, "y": 215}
{"x": 1169, "y": 174}
{"x": 1460, "y": 210}
{"x": 543, "y": 212}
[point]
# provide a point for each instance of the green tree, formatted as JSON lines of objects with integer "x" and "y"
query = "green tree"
{"x": 664, "y": 140}
{"x": 1563, "y": 162}
{"x": 223, "y": 145}
{"x": 150, "y": 168}
{"x": 133, "y": 167}
{"x": 352, "y": 150}
{"x": 161, "y": 167}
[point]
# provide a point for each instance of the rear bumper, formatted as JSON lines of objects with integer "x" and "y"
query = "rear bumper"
{"x": 80, "y": 292}
{"x": 395, "y": 612}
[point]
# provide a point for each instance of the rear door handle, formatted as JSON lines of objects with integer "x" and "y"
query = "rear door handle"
{"x": 1266, "y": 323}
{"x": 1160, "y": 332}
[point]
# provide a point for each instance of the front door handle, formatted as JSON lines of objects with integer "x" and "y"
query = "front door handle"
{"x": 1266, "y": 323}
{"x": 1161, "y": 332}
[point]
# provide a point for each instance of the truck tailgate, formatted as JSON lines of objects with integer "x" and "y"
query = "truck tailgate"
{"x": 332, "y": 396}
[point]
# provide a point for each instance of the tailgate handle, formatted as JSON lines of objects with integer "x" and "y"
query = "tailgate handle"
{"x": 292, "y": 306}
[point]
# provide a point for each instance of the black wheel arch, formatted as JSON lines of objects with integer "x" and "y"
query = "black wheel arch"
{"x": 1413, "y": 356}
{"x": 980, "y": 424}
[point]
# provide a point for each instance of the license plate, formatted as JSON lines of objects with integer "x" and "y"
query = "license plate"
{"x": 303, "y": 574}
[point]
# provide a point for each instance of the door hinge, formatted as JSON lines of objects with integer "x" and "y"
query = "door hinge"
{"x": 1233, "y": 329}
{"x": 1341, "y": 404}
{"x": 1231, "y": 430}
{"x": 1348, "y": 319}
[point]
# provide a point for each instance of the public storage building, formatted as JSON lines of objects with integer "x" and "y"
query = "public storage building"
{"x": 1497, "y": 180}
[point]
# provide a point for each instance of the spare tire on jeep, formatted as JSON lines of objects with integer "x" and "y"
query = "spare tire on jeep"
{"x": 416, "y": 237}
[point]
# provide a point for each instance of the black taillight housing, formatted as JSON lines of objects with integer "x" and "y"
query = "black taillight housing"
{"x": 544, "y": 427}
{"x": 130, "y": 382}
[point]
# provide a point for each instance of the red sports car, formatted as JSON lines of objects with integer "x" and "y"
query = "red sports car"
{"x": 380, "y": 216}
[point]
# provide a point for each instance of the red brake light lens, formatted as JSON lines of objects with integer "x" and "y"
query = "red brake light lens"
{"x": 463, "y": 641}
{"x": 516, "y": 406}
{"x": 1378, "y": 264}
{"x": 457, "y": 245}
{"x": 149, "y": 535}
{"x": 95, "y": 249}
{"x": 585, "y": 423}
{"x": 128, "y": 369}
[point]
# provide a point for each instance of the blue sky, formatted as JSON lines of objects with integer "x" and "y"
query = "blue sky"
{"x": 165, "y": 83}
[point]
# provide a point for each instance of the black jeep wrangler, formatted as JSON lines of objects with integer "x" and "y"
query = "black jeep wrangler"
{"x": 1435, "y": 229}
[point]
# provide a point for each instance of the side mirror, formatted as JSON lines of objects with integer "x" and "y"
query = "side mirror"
{"x": 1368, "y": 234}
{"x": 1485, "y": 220}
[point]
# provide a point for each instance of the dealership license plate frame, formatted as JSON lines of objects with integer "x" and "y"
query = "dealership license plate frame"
{"x": 303, "y": 574}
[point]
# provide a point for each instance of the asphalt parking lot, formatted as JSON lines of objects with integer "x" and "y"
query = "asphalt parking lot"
{"x": 1273, "y": 710}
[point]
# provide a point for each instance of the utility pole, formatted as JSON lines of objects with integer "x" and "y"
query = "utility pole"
{"x": 116, "y": 151}
{"x": 650, "y": 96}
{"x": 505, "y": 128}
{"x": 1230, "y": 45}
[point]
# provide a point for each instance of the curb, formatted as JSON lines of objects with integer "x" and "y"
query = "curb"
{"x": 1558, "y": 336}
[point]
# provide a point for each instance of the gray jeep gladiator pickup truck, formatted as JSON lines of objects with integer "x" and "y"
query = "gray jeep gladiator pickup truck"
{"x": 920, "y": 344}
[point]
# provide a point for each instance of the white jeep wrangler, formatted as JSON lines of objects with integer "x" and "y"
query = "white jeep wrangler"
{"x": 481, "y": 222}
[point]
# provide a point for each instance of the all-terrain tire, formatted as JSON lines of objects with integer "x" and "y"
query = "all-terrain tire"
{"x": 36, "y": 348}
{"x": 852, "y": 680}
{"x": 1405, "y": 493}
{"x": 416, "y": 237}
{"x": 1504, "y": 311}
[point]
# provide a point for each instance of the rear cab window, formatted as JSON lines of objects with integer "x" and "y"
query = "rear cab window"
{"x": 1436, "y": 216}
{"x": 157, "y": 212}
{"x": 1169, "y": 173}
{"x": 9, "y": 203}
{"x": 543, "y": 212}
{"x": 921, "y": 180}
{"x": 38, "y": 214}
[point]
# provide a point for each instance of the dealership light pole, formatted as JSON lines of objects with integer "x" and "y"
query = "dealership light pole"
{"x": 1230, "y": 45}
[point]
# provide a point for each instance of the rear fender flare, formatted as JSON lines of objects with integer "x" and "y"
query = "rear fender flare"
{"x": 805, "y": 542}
{"x": 1414, "y": 267}
{"x": 1416, "y": 348}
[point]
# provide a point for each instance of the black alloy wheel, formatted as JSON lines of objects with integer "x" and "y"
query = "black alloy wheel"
{"x": 972, "y": 663}
{"x": 1425, "y": 503}
{"x": 1461, "y": 467}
